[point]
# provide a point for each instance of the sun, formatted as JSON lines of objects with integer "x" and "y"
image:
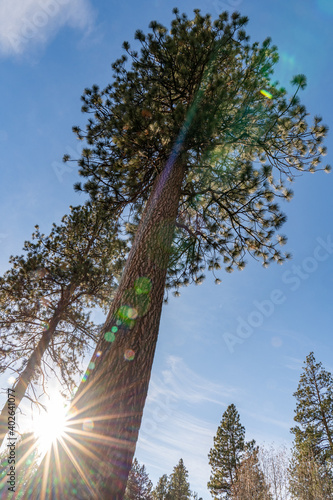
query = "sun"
{"x": 50, "y": 425}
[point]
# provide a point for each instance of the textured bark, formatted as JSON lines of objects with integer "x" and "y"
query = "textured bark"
{"x": 33, "y": 364}
{"x": 113, "y": 397}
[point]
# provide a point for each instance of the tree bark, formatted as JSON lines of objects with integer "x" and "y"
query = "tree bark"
{"x": 34, "y": 362}
{"x": 94, "y": 463}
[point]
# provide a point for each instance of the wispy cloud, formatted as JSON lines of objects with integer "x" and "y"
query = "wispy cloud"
{"x": 259, "y": 417}
{"x": 180, "y": 383}
{"x": 169, "y": 430}
{"x": 294, "y": 363}
{"x": 184, "y": 437}
{"x": 27, "y": 23}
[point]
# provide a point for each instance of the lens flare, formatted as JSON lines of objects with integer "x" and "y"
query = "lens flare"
{"x": 266, "y": 94}
{"x": 110, "y": 337}
{"x": 142, "y": 285}
{"x": 132, "y": 313}
{"x": 129, "y": 355}
{"x": 88, "y": 425}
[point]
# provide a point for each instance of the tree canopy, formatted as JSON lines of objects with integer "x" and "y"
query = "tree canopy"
{"x": 203, "y": 92}
{"x": 250, "y": 480}
{"x": 161, "y": 490}
{"x": 225, "y": 456}
{"x": 179, "y": 487}
{"x": 139, "y": 486}
{"x": 45, "y": 299}
{"x": 311, "y": 467}
{"x": 314, "y": 410}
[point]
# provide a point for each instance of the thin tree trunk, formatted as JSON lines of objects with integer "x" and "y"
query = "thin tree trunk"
{"x": 34, "y": 362}
{"x": 95, "y": 463}
{"x": 323, "y": 415}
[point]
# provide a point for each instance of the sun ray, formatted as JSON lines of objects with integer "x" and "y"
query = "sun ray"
{"x": 97, "y": 437}
{"x": 45, "y": 475}
{"x": 78, "y": 468}
{"x": 57, "y": 459}
{"x": 66, "y": 435}
{"x": 80, "y": 446}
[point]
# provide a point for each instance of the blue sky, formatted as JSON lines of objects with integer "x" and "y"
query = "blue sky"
{"x": 51, "y": 51}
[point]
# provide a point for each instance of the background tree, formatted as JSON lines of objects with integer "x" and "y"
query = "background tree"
{"x": 161, "y": 490}
{"x": 314, "y": 411}
{"x": 274, "y": 463}
{"x": 44, "y": 323}
{"x": 139, "y": 486}
{"x": 311, "y": 467}
{"x": 226, "y": 455}
{"x": 250, "y": 481}
{"x": 308, "y": 478}
{"x": 193, "y": 140}
{"x": 179, "y": 487}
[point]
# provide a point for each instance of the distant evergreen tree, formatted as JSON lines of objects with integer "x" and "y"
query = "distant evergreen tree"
{"x": 162, "y": 487}
{"x": 179, "y": 487}
{"x": 250, "y": 483}
{"x": 311, "y": 466}
{"x": 314, "y": 411}
{"x": 225, "y": 457}
{"x": 139, "y": 486}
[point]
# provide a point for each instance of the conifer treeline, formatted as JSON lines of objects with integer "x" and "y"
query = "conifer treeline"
{"x": 173, "y": 487}
{"x": 241, "y": 470}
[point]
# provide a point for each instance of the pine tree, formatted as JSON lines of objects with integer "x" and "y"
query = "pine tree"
{"x": 139, "y": 486}
{"x": 179, "y": 487}
{"x": 311, "y": 467}
{"x": 195, "y": 143}
{"x": 161, "y": 490}
{"x": 250, "y": 482}
{"x": 44, "y": 324}
{"x": 314, "y": 411}
{"x": 226, "y": 455}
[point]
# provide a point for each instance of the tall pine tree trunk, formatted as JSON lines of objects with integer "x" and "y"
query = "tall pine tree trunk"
{"x": 34, "y": 362}
{"x": 110, "y": 402}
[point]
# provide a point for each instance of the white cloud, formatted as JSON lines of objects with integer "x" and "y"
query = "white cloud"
{"x": 27, "y": 23}
{"x": 179, "y": 383}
